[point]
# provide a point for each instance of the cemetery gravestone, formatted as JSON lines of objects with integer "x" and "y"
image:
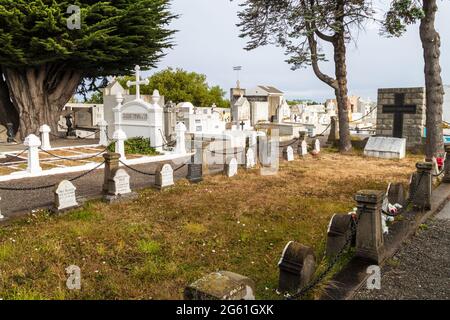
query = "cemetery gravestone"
{"x": 385, "y": 148}
{"x": 164, "y": 176}
{"x": 250, "y": 159}
{"x": 339, "y": 234}
{"x": 118, "y": 186}
{"x": 303, "y": 149}
{"x": 316, "y": 147}
{"x": 65, "y": 197}
{"x": 422, "y": 186}
{"x": 231, "y": 168}
{"x": 221, "y": 285}
{"x": 288, "y": 154}
{"x": 297, "y": 267}
{"x": 396, "y": 194}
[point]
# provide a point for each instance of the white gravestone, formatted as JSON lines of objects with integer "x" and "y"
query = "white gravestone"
{"x": 317, "y": 146}
{"x": 250, "y": 159}
{"x": 65, "y": 197}
{"x": 303, "y": 149}
{"x": 164, "y": 176}
{"x": 121, "y": 183}
{"x": 289, "y": 154}
{"x": 386, "y": 148}
{"x": 232, "y": 168}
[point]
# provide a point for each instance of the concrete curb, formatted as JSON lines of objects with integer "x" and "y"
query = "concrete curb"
{"x": 353, "y": 276}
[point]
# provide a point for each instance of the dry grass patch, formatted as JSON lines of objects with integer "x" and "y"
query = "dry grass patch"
{"x": 155, "y": 245}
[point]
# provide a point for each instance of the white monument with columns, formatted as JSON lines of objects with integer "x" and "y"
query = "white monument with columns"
{"x": 138, "y": 118}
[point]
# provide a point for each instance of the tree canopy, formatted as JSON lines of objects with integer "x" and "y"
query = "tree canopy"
{"x": 41, "y": 55}
{"x": 178, "y": 85}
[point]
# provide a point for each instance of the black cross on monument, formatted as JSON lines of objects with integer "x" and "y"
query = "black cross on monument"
{"x": 399, "y": 109}
{"x": 242, "y": 125}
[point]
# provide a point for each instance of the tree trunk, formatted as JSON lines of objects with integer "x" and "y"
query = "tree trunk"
{"x": 8, "y": 112}
{"x": 431, "y": 43}
{"x": 340, "y": 51}
{"x": 40, "y": 94}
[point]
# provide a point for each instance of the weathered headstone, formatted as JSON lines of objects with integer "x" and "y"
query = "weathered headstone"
{"x": 297, "y": 267}
{"x": 369, "y": 234}
{"x": 316, "y": 146}
{"x": 288, "y": 154}
{"x": 339, "y": 234}
{"x": 422, "y": 186}
{"x": 118, "y": 187}
{"x": 386, "y": 148}
{"x": 164, "y": 176}
{"x": 333, "y": 137}
{"x": 446, "y": 178}
{"x": 396, "y": 194}
{"x": 303, "y": 149}
{"x": 250, "y": 159}
{"x": 221, "y": 285}
{"x": 231, "y": 168}
{"x": 65, "y": 196}
{"x": 195, "y": 173}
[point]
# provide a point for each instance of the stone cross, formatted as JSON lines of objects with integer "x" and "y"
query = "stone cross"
{"x": 103, "y": 125}
{"x": 65, "y": 197}
{"x": 180, "y": 131}
{"x": 164, "y": 176}
{"x": 33, "y": 143}
{"x": 242, "y": 125}
{"x": 45, "y": 138}
{"x": 297, "y": 266}
{"x": 369, "y": 234}
{"x": 138, "y": 82}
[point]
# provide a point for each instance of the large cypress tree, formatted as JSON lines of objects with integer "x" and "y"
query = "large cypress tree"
{"x": 43, "y": 61}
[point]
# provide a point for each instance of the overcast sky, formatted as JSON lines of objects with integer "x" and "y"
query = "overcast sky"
{"x": 208, "y": 42}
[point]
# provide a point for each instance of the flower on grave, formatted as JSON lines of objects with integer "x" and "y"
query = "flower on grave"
{"x": 440, "y": 162}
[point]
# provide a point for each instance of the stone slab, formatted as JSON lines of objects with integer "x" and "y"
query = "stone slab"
{"x": 386, "y": 148}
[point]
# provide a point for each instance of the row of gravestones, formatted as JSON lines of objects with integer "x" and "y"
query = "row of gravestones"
{"x": 288, "y": 152}
{"x": 116, "y": 187}
{"x": 362, "y": 229}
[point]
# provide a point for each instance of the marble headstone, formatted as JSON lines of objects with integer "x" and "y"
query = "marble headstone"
{"x": 250, "y": 159}
{"x": 303, "y": 149}
{"x": 288, "y": 153}
{"x": 164, "y": 176}
{"x": 121, "y": 183}
{"x": 232, "y": 168}
{"x": 386, "y": 148}
{"x": 65, "y": 196}
{"x": 317, "y": 146}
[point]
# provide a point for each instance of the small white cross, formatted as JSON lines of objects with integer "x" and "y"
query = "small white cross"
{"x": 138, "y": 82}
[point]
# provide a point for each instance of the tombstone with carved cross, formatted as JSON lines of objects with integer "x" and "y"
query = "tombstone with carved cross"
{"x": 401, "y": 114}
{"x": 138, "y": 118}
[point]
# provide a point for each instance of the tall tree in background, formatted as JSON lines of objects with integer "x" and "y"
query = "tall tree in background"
{"x": 405, "y": 12}
{"x": 300, "y": 26}
{"x": 43, "y": 60}
{"x": 178, "y": 85}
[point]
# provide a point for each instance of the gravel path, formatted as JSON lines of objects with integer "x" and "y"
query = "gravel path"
{"x": 421, "y": 269}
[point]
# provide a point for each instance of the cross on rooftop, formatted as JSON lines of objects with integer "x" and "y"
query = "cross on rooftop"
{"x": 138, "y": 82}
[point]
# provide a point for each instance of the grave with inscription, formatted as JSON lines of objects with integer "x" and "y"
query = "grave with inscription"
{"x": 65, "y": 197}
{"x": 118, "y": 186}
{"x": 164, "y": 176}
{"x": 385, "y": 148}
{"x": 288, "y": 154}
{"x": 401, "y": 114}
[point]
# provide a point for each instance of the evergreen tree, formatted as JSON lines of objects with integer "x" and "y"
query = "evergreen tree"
{"x": 44, "y": 56}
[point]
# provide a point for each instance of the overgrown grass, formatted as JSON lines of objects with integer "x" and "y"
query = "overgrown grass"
{"x": 155, "y": 245}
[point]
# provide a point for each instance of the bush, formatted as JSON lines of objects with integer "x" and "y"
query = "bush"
{"x": 139, "y": 145}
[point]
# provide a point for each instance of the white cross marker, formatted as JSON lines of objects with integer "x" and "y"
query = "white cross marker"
{"x": 138, "y": 82}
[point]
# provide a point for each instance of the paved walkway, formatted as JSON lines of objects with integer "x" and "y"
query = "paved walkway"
{"x": 421, "y": 269}
{"x": 16, "y": 203}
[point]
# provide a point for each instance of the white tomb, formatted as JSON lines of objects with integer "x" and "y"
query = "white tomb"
{"x": 65, "y": 197}
{"x": 138, "y": 118}
{"x": 386, "y": 148}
